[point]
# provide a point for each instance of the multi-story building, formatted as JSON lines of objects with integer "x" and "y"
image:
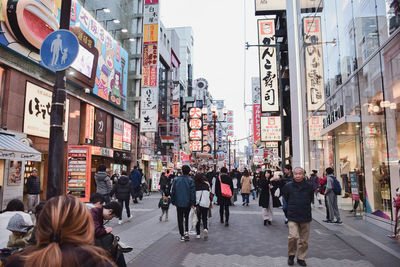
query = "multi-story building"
{"x": 102, "y": 89}
{"x": 350, "y": 49}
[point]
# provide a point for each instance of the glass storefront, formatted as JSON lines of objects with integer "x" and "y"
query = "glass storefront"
{"x": 361, "y": 74}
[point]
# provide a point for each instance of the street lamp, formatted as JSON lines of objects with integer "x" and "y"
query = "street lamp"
{"x": 213, "y": 109}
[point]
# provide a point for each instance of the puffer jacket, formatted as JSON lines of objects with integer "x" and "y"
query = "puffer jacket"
{"x": 123, "y": 189}
{"x": 33, "y": 185}
{"x": 298, "y": 197}
{"x": 103, "y": 183}
{"x": 183, "y": 193}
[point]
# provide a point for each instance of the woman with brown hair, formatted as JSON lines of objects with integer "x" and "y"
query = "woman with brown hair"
{"x": 61, "y": 239}
{"x": 246, "y": 183}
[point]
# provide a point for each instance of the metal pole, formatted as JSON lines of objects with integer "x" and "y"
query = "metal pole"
{"x": 56, "y": 141}
{"x": 229, "y": 154}
{"x": 215, "y": 142}
{"x": 278, "y": 54}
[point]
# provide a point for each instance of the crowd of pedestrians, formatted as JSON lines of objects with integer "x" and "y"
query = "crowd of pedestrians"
{"x": 89, "y": 242}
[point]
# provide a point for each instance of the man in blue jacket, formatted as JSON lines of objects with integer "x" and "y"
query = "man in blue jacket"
{"x": 298, "y": 195}
{"x": 136, "y": 179}
{"x": 183, "y": 196}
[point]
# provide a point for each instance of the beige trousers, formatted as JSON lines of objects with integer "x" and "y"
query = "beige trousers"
{"x": 298, "y": 232}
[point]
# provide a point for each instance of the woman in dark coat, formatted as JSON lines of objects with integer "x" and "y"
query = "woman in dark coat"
{"x": 265, "y": 200}
{"x": 224, "y": 202}
{"x": 276, "y": 184}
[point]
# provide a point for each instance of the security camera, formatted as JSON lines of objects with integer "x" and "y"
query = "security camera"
{"x": 87, "y": 91}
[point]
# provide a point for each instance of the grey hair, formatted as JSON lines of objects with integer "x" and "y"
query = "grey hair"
{"x": 304, "y": 172}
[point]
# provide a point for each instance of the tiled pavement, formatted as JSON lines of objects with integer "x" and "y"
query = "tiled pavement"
{"x": 246, "y": 242}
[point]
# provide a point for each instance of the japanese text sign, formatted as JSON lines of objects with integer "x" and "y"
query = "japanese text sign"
{"x": 270, "y": 129}
{"x": 268, "y": 66}
{"x": 314, "y": 63}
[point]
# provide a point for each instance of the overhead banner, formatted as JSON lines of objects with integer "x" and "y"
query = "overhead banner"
{"x": 271, "y": 129}
{"x": 315, "y": 125}
{"x": 314, "y": 63}
{"x": 268, "y": 66}
{"x": 255, "y": 86}
{"x": 264, "y": 7}
{"x": 149, "y": 106}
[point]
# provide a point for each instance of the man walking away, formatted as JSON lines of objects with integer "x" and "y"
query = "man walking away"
{"x": 103, "y": 182}
{"x": 298, "y": 195}
{"x": 33, "y": 190}
{"x": 183, "y": 196}
{"x": 332, "y": 185}
{"x": 288, "y": 177}
{"x": 136, "y": 178}
{"x": 123, "y": 191}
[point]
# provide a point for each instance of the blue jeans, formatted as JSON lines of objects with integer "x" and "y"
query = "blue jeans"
{"x": 284, "y": 206}
{"x": 245, "y": 198}
{"x": 253, "y": 193}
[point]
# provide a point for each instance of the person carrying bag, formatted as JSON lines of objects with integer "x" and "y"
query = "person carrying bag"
{"x": 223, "y": 191}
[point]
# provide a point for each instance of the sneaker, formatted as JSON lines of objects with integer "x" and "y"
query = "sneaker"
{"x": 166, "y": 219}
{"x": 160, "y": 218}
{"x": 130, "y": 218}
{"x": 327, "y": 221}
{"x": 119, "y": 222}
{"x": 198, "y": 236}
{"x": 301, "y": 262}
{"x": 182, "y": 239}
{"x": 290, "y": 260}
{"x": 187, "y": 238}
{"x": 205, "y": 234}
{"x": 243, "y": 204}
{"x": 338, "y": 222}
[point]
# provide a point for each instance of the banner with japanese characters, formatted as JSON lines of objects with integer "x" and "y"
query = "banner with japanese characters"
{"x": 255, "y": 86}
{"x": 149, "y": 106}
{"x": 195, "y": 130}
{"x": 271, "y": 129}
{"x": 37, "y": 111}
{"x": 268, "y": 66}
{"x": 315, "y": 126}
{"x": 314, "y": 63}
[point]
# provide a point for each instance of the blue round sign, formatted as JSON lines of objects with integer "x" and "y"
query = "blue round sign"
{"x": 59, "y": 50}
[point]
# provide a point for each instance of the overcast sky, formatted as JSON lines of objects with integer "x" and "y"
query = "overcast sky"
{"x": 219, "y": 30}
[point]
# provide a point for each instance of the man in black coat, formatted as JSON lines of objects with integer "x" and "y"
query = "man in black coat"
{"x": 298, "y": 195}
{"x": 123, "y": 190}
{"x": 33, "y": 190}
{"x": 224, "y": 202}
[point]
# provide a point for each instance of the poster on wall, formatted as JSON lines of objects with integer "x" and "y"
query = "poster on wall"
{"x": 315, "y": 126}
{"x": 118, "y": 133}
{"x": 37, "y": 111}
{"x": 127, "y": 137}
{"x": 271, "y": 129}
{"x": 148, "y": 120}
{"x": 78, "y": 172}
{"x": 268, "y": 66}
{"x": 17, "y": 34}
{"x": 314, "y": 63}
{"x": 100, "y": 123}
{"x": 14, "y": 173}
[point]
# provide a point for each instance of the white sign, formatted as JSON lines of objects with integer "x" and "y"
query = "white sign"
{"x": 315, "y": 125}
{"x": 149, "y": 98}
{"x": 271, "y": 144}
{"x": 268, "y": 66}
{"x": 314, "y": 63}
{"x": 148, "y": 120}
{"x": 271, "y": 5}
{"x": 255, "y": 86}
{"x": 270, "y": 129}
{"x": 150, "y": 15}
{"x": 37, "y": 111}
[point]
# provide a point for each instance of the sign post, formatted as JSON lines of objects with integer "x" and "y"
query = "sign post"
{"x": 56, "y": 142}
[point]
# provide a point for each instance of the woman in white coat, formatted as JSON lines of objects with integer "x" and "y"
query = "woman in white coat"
{"x": 203, "y": 198}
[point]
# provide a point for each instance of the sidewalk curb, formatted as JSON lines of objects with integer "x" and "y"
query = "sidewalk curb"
{"x": 362, "y": 235}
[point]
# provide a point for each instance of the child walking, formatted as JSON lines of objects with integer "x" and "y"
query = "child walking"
{"x": 164, "y": 205}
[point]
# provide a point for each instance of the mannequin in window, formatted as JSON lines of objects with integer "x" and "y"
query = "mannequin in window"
{"x": 344, "y": 174}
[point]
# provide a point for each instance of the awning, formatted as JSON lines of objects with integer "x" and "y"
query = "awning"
{"x": 13, "y": 149}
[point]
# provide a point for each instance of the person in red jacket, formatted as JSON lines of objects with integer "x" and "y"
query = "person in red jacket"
{"x": 322, "y": 182}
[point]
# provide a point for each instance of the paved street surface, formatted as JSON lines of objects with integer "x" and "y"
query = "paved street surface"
{"x": 247, "y": 242}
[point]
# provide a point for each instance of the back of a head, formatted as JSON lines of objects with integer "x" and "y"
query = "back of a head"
{"x": 58, "y": 225}
{"x": 102, "y": 168}
{"x": 124, "y": 173}
{"x": 115, "y": 208}
{"x": 329, "y": 170}
{"x": 185, "y": 170}
{"x": 15, "y": 205}
{"x": 97, "y": 197}
{"x": 224, "y": 170}
{"x": 246, "y": 172}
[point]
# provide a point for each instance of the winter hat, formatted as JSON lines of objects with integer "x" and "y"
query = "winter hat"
{"x": 18, "y": 223}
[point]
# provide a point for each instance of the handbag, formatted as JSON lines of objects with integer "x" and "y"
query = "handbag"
{"x": 277, "y": 192}
{"x": 225, "y": 189}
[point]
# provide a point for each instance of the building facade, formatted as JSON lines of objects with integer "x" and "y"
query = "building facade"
{"x": 350, "y": 77}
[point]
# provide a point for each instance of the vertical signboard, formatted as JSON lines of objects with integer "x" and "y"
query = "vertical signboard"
{"x": 100, "y": 123}
{"x": 270, "y": 129}
{"x": 78, "y": 172}
{"x": 256, "y": 94}
{"x": 268, "y": 66}
{"x": 127, "y": 136}
{"x": 118, "y": 133}
{"x": 149, "y": 108}
{"x": 315, "y": 125}
{"x": 89, "y": 125}
{"x": 196, "y": 130}
{"x": 314, "y": 63}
